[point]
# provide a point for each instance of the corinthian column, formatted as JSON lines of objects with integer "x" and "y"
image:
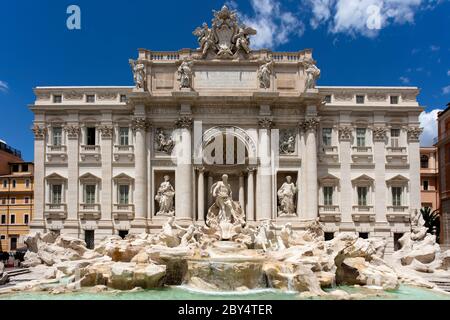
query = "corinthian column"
{"x": 200, "y": 194}
{"x": 73, "y": 151}
{"x": 140, "y": 126}
{"x": 310, "y": 127}
{"x": 379, "y": 157}
{"x": 265, "y": 170}
{"x": 250, "y": 214}
{"x": 38, "y": 223}
{"x": 106, "y": 131}
{"x": 414, "y": 133}
{"x": 183, "y": 179}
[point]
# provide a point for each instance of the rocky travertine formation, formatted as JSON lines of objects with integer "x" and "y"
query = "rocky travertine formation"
{"x": 265, "y": 256}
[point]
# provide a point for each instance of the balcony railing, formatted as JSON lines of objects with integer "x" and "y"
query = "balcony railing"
{"x": 56, "y": 210}
{"x": 123, "y": 149}
{"x": 90, "y": 149}
{"x": 362, "y": 149}
{"x": 363, "y": 209}
{"x": 90, "y": 207}
{"x": 397, "y": 208}
{"x": 328, "y": 208}
{"x": 123, "y": 211}
{"x": 396, "y": 150}
{"x": 57, "y": 149}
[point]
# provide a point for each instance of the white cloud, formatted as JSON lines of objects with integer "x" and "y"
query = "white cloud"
{"x": 434, "y": 48}
{"x": 365, "y": 17}
{"x": 275, "y": 25}
{"x": 4, "y": 86}
{"x": 428, "y": 121}
{"x": 404, "y": 80}
{"x": 446, "y": 90}
{"x": 448, "y": 72}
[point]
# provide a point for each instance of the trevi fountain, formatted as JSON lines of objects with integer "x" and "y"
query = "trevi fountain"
{"x": 228, "y": 258}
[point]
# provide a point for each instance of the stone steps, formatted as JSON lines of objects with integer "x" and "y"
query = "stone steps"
{"x": 443, "y": 285}
{"x": 14, "y": 273}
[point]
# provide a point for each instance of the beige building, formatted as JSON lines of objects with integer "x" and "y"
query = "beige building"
{"x": 102, "y": 153}
{"x": 429, "y": 178}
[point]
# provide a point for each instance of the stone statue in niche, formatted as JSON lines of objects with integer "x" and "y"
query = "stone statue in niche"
{"x": 138, "y": 69}
{"x": 164, "y": 141}
{"x": 165, "y": 196}
{"x": 287, "y": 143}
{"x": 312, "y": 74}
{"x": 264, "y": 73}
{"x": 225, "y": 215}
{"x": 185, "y": 74}
{"x": 286, "y": 195}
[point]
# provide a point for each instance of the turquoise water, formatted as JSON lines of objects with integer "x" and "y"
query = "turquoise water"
{"x": 182, "y": 293}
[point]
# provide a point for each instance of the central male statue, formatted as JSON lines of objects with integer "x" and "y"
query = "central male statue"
{"x": 225, "y": 214}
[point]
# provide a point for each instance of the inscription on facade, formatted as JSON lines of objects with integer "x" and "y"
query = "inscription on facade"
{"x": 225, "y": 79}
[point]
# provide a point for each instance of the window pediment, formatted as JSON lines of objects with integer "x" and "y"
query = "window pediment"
{"x": 122, "y": 177}
{"x": 397, "y": 180}
{"x": 89, "y": 177}
{"x": 329, "y": 179}
{"x": 363, "y": 179}
{"x": 55, "y": 177}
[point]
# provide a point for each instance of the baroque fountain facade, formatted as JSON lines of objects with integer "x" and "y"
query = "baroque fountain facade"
{"x": 223, "y": 169}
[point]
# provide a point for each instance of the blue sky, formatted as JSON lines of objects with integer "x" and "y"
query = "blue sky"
{"x": 409, "y": 46}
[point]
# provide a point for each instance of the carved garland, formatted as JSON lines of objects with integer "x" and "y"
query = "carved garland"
{"x": 73, "y": 131}
{"x": 379, "y": 133}
{"x": 345, "y": 133}
{"x": 414, "y": 133}
{"x": 106, "y": 131}
{"x": 39, "y": 132}
{"x": 184, "y": 123}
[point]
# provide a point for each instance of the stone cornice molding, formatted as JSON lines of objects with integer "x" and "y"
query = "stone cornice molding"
{"x": 73, "y": 131}
{"x": 39, "y": 132}
{"x": 140, "y": 124}
{"x": 184, "y": 123}
{"x": 414, "y": 133}
{"x": 265, "y": 123}
{"x": 106, "y": 131}
{"x": 345, "y": 133}
{"x": 379, "y": 133}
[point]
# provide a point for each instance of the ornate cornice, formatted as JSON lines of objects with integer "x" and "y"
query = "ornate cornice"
{"x": 184, "y": 123}
{"x": 73, "y": 131}
{"x": 106, "y": 131}
{"x": 414, "y": 133}
{"x": 265, "y": 123}
{"x": 39, "y": 132}
{"x": 140, "y": 124}
{"x": 379, "y": 133}
{"x": 345, "y": 133}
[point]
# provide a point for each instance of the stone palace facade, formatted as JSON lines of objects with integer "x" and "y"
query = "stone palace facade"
{"x": 113, "y": 160}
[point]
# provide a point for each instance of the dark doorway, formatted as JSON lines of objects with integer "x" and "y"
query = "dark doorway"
{"x": 89, "y": 238}
{"x": 364, "y": 235}
{"x": 123, "y": 233}
{"x": 397, "y": 237}
{"x": 329, "y": 236}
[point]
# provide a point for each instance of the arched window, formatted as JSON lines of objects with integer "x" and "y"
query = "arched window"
{"x": 424, "y": 161}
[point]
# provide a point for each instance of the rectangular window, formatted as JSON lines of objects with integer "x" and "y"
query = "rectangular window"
{"x": 24, "y": 168}
{"x": 362, "y": 196}
{"x": 124, "y": 191}
{"x": 328, "y": 196}
{"x": 26, "y": 219}
{"x": 395, "y": 136}
{"x": 3, "y": 219}
{"x": 13, "y": 243}
{"x": 2, "y": 237}
{"x": 396, "y": 196}
{"x": 360, "y": 99}
{"x": 13, "y": 219}
{"x": 13, "y": 200}
{"x": 57, "y": 136}
{"x": 394, "y": 99}
{"x": 90, "y": 136}
{"x": 328, "y": 99}
{"x": 15, "y": 168}
{"x": 57, "y": 98}
{"x": 326, "y": 136}
{"x": 5, "y": 183}
{"x": 27, "y": 183}
{"x": 90, "y": 98}
{"x": 89, "y": 196}
{"x": 56, "y": 194}
{"x": 425, "y": 185}
{"x": 361, "y": 137}
{"x": 14, "y": 183}
{"x": 3, "y": 201}
{"x": 27, "y": 200}
{"x": 124, "y": 136}
{"x": 123, "y": 98}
